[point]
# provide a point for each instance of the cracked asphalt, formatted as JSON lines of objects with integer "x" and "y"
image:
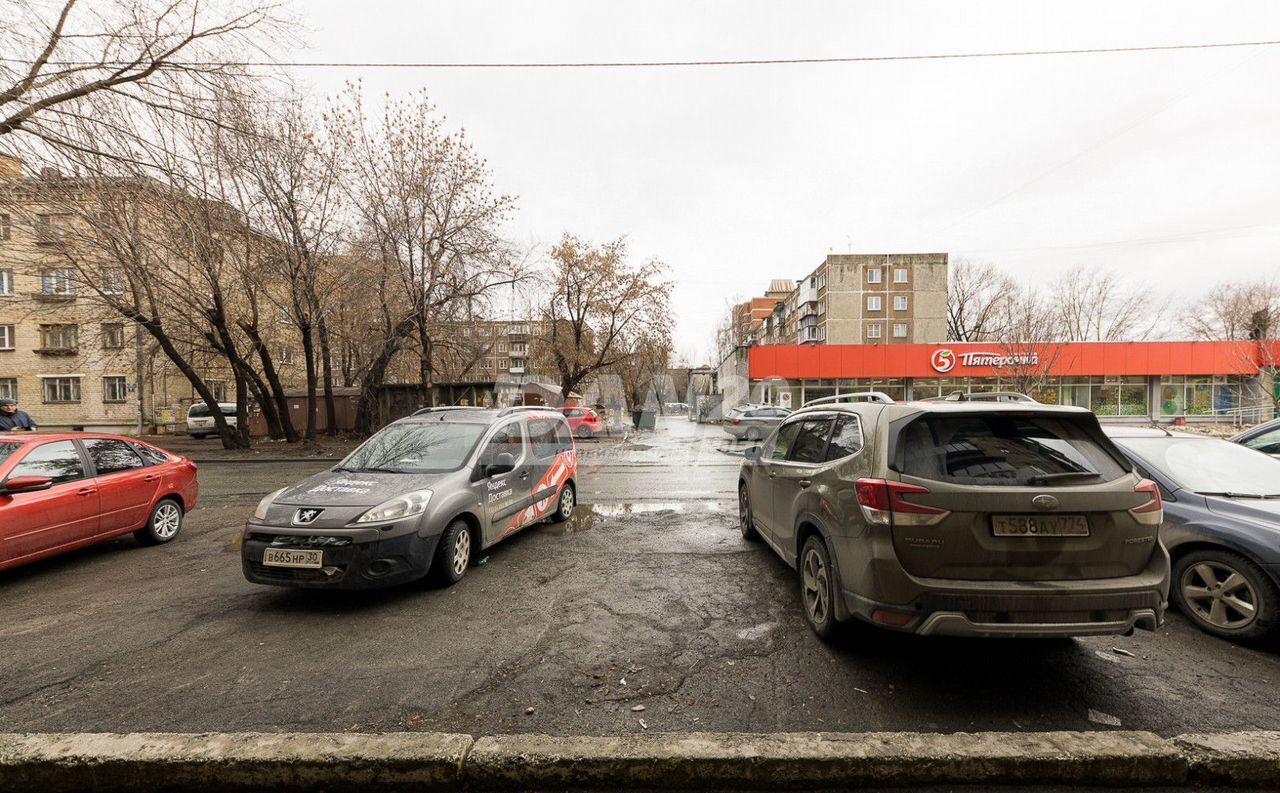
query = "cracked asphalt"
{"x": 647, "y": 612}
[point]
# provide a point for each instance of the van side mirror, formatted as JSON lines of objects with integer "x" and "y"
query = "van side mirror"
{"x": 502, "y": 464}
{"x": 26, "y": 484}
{"x": 752, "y": 454}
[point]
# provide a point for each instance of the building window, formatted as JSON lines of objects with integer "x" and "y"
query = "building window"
{"x": 822, "y": 281}
{"x": 487, "y": 363}
{"x": 114, "y": 389}
{"x": 51, "y": 226}
{"x": 286, "y": 355}
{"x": 466, "y": 332}
{"x": 60, "y": 282}
{"x": 6, "y": 337}
{"x": 822, "y": 307}
{"x": 873, "y": 302}
{"x": 873, "y": 275}
{"x": 5, "y": 227}
{"x": 6, "y": 283}
{"x": 62, "y": 389}
{"x": 899, "y": 302}
{"x": 519, "y": 349}
{"x": 873, "y": 330}
{"x": 502, "y": 347}
{"x": 8, "y": 388}
{"x": 899, "y": 330}
{"x": 503, "y": 363}
{"x": 113, "y": 281}
{"x": 65, "y": 338}
{"x": 899, "y": 275}
{"x": 219, "y": 389}
{"x": 113, "y": 336}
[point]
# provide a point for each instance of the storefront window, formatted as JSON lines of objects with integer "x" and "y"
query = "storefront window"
{"x": 1199, "y": 396}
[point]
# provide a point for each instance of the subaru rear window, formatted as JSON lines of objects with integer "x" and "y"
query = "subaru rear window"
{"x": 997, "y": 449}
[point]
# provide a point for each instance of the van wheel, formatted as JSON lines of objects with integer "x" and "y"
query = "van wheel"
{"x": 746, "y": 521}
{"x": 164, "y": 524}
{"x": 817, "y": 589}
{"x": 584, "y": 432}
{"x": 1227, "y": 595}
{"x": 453, "y": 554}
{"x": 565, "y": 503}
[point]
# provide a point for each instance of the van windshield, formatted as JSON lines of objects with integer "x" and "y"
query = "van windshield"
{"x": 995, "y": 449}
{"x": 201, "y": 410}
{"x": 433, "y": 448}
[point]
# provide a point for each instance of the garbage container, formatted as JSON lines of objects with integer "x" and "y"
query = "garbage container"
{"x": 646, "y": 419}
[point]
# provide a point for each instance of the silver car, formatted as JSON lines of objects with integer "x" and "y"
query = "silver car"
{"x": 422, "y": 496}
{"x": 753, "y": 422}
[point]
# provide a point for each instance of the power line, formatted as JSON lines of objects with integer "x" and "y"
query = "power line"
{"x": 662, "y": 64}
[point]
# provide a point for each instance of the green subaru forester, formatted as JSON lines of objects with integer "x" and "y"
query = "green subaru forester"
{"x": 959, "y": 518}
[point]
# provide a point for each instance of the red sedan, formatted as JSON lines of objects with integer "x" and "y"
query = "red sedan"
{"x": 59, "y": 492}
{"x": 583, "y": 422}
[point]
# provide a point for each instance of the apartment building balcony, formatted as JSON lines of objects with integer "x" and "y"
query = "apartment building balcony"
{"x": 807, "y": 310}
{"x": 808, "y": 292}
{"x": 812, "y": 335}
{"x": 517, "y": 367}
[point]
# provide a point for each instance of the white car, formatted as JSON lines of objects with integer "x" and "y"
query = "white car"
{"x": 200, "y": 419}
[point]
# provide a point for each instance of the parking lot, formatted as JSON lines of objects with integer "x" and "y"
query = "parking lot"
{"x": 646, "y": 612}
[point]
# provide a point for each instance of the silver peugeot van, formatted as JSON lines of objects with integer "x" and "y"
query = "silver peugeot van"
{"x": 422, "y": 496}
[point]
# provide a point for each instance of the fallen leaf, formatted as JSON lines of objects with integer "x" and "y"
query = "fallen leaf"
{"x": 1122, "y": 651}
{"x": 637, "y": 708}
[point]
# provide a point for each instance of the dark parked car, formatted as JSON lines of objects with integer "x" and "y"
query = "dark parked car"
{"x": 1264, "y": 437}
{"x": 1221, "y": 526}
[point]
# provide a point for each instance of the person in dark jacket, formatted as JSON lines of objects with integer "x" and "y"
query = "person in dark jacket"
{"x": 12, "y": 419}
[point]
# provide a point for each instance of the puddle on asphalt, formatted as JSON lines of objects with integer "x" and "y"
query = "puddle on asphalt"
{"x": 585, "y": 516}
{"x": 231, "y": 541}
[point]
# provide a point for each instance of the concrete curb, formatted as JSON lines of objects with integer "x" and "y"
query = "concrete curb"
{"x": 1234, "y": 758}
{"x": 243, "y": 762}
{"x": 111, "y": 763}
{"x": 823, "y": 760}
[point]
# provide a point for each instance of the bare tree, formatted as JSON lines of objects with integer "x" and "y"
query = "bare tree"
{"x": 427, "y": 208}
{"x": 978, "y": 294}
{"x": 72, "y": 65}
{"x": 1244, "y": 311}
{"x": 600, "y": 309}
{"x": 1094, "y": 303}
{"x": 1030, "y": 340}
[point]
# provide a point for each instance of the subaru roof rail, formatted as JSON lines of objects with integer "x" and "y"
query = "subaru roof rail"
{"x": 440, "y": 408}
{"x": 518, "y": 408}
{"x": 985, "y": 396}
{"x": 867, "y": 396}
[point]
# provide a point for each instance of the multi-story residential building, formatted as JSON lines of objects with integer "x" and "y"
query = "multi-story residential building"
{"x": 70, "y": 360}
{"x": 896, "y": 298}
{"x": 490, "y": 351}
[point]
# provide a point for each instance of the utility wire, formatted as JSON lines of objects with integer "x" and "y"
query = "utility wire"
{"x": 659, "y": 64}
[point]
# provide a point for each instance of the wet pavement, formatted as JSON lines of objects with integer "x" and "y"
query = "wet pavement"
{"x": 646, "y": 612}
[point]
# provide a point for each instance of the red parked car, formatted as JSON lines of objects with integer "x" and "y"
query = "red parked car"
{"x": 60, "y": 491}
{"x": 583, "y": 422}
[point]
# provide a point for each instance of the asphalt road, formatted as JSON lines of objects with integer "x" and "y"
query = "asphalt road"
{"x": 648, "y": 599}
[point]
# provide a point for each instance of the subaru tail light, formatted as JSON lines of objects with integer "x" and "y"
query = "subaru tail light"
{"x": 1150, "y": 513}
{"x": 885, "y": 503}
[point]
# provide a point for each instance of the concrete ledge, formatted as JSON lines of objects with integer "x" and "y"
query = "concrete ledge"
{"x": 98, "y": 762}
{"x": 824, "y": 760}
{"x": 1234, "y": 758}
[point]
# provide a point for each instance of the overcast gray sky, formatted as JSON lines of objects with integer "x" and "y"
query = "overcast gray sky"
{"x": 1163, "y": 164}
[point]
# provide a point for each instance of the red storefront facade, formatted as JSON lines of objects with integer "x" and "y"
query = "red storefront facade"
{"x": 1198, "y": 380}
